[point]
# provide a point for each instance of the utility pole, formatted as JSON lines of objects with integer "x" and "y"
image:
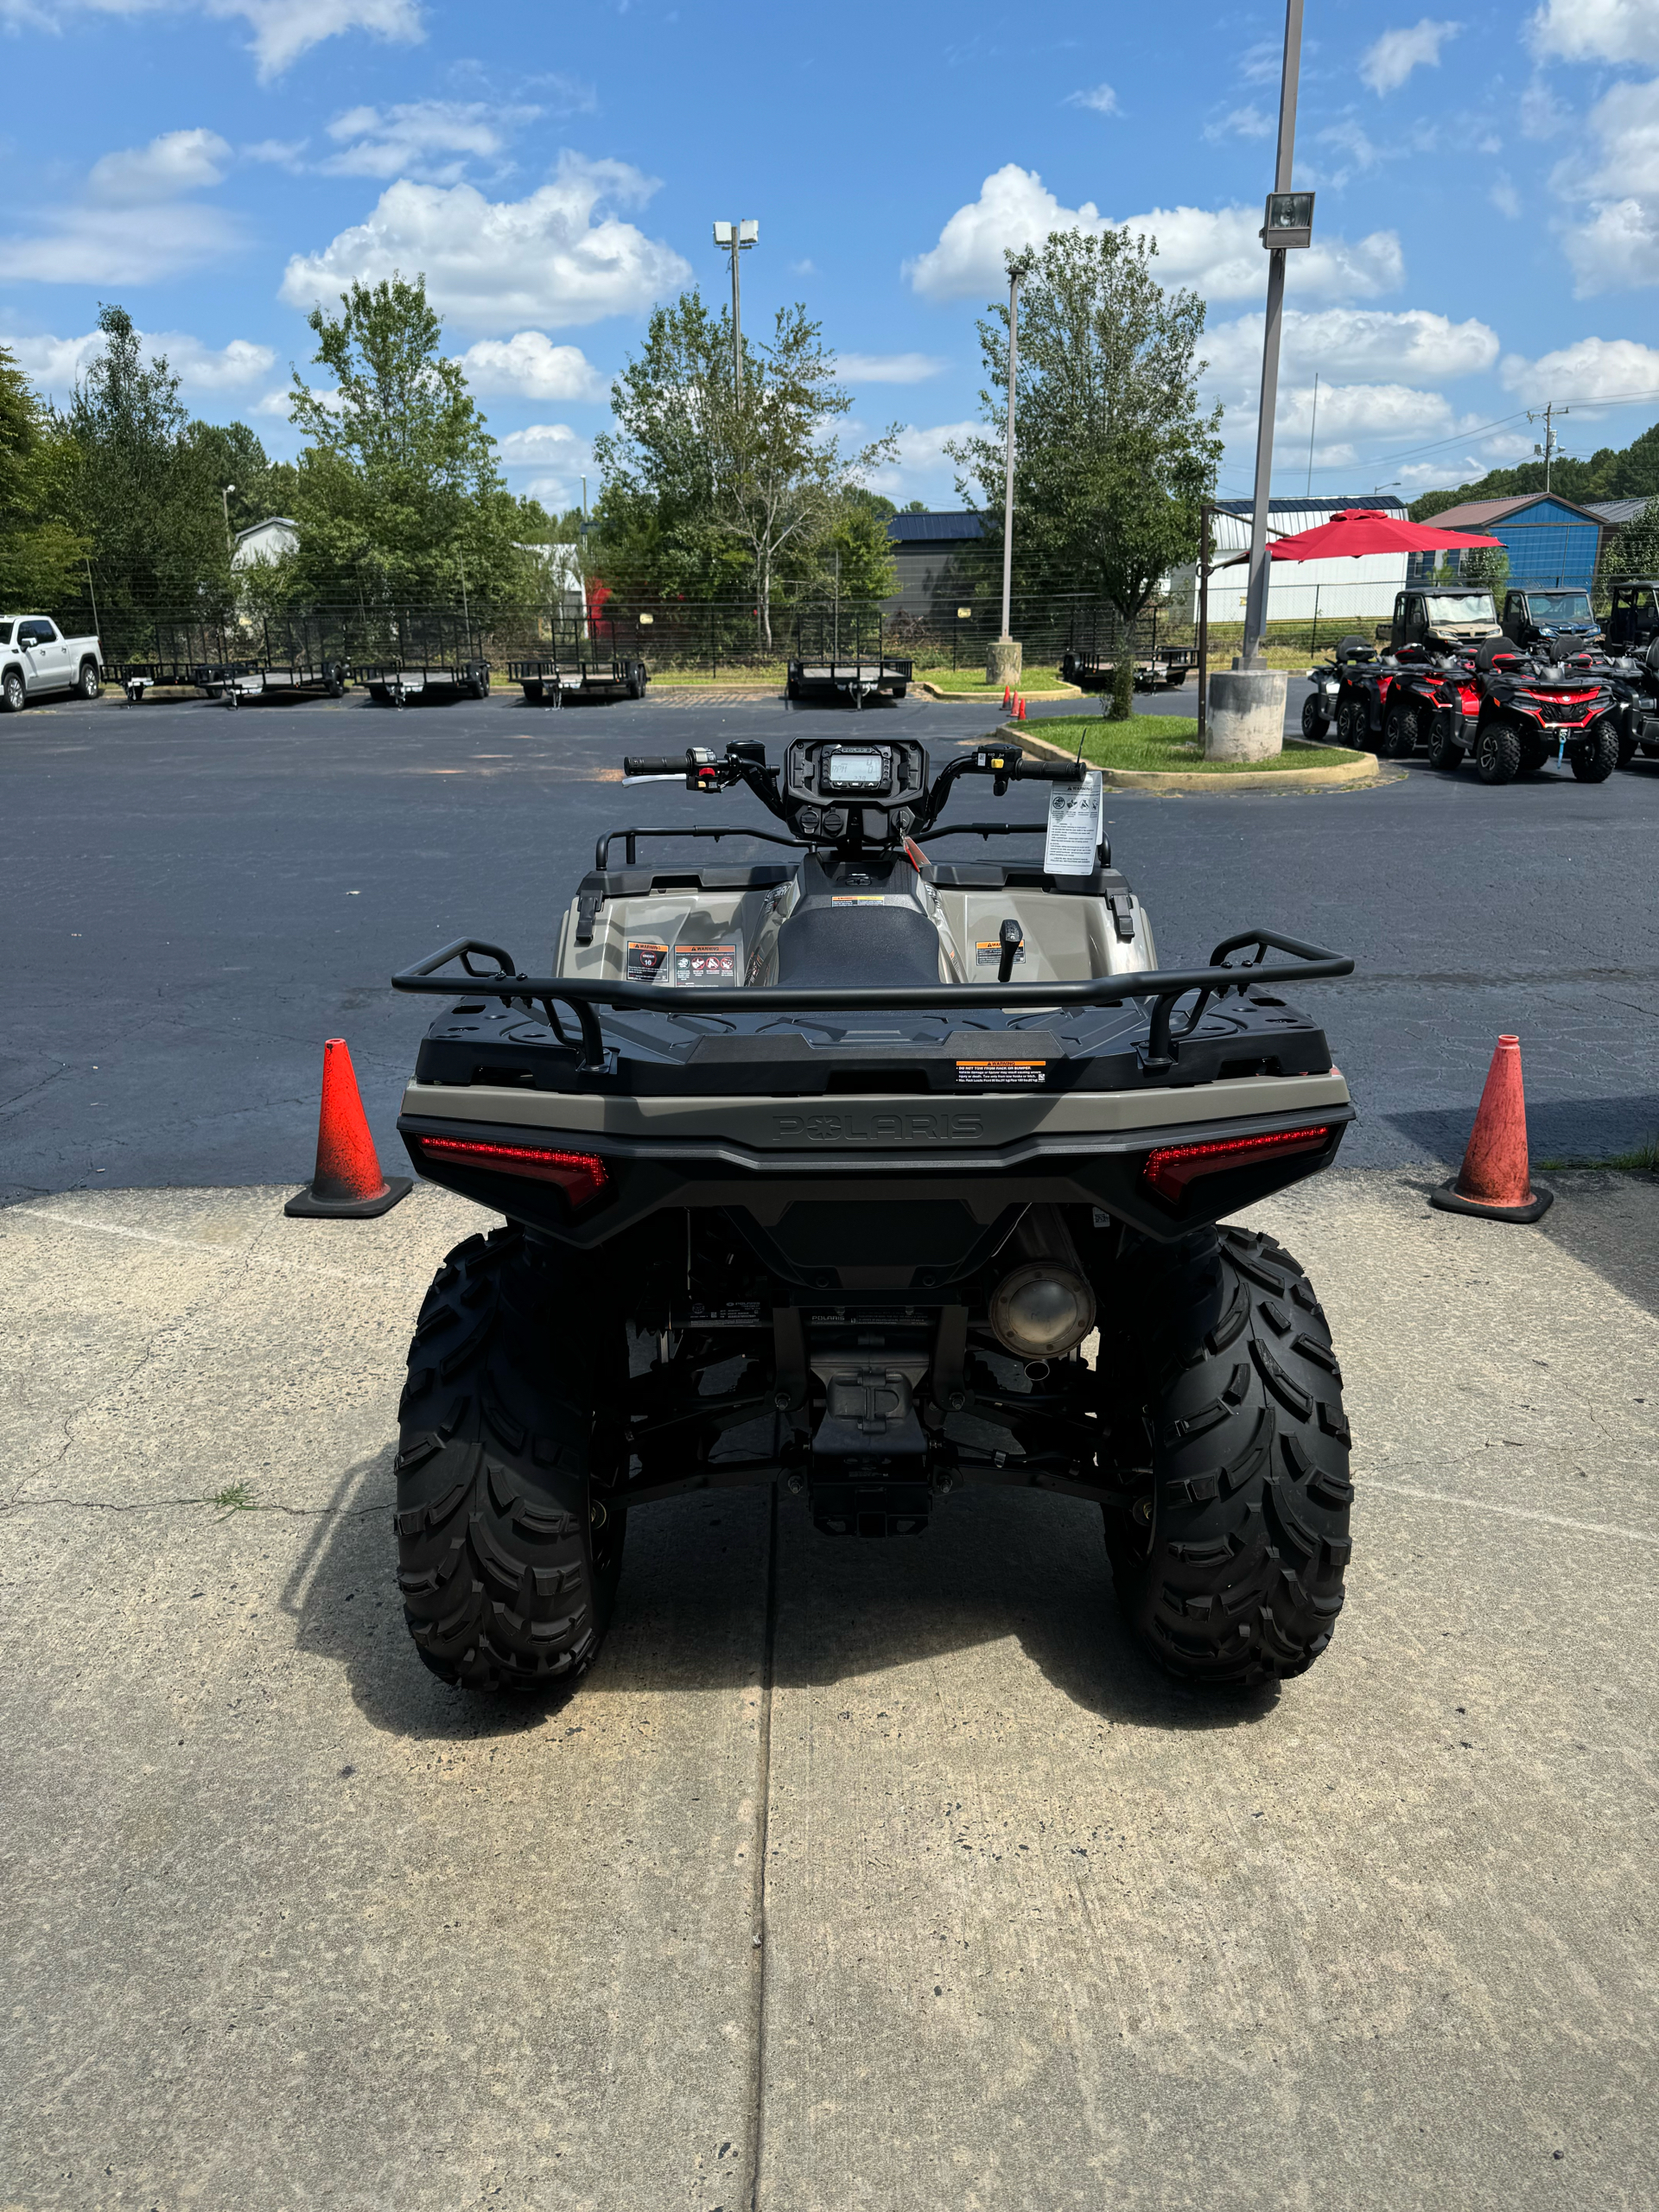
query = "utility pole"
{"x": 1289, "y": 222}
{"x": 736, "y": 238}
{"x": 1019, "y": 264}
{"x": 1312, "y": 427}
{"x": 1547, "y": 418}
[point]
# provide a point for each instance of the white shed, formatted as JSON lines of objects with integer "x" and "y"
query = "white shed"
{"x": 262, "y": 542}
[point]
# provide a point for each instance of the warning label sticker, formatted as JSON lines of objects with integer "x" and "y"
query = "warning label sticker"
{"x": 864, "y": 899}
{"x": 705, "y": 963}
{"x": 988, "y": 953}
{"x": 1002, "y": 1074}
{"x": 646, "y": 958}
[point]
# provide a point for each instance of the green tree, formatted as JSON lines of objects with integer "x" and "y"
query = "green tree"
{"x": 713, "y": 485}
{"x": 1113, "y": 456}
{"x": 148, "y": 497}
{"x": 399, "y": 493}
{"x": 1488, "y": 565}
{"x": 42, "y": 551}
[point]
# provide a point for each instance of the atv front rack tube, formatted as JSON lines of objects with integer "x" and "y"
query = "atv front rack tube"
{"x": 630, "y": 841}
{"x": 1164, "y": 987}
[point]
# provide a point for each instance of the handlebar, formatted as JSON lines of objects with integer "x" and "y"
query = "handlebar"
{"x": 1050, "y": 771}
{"x": 655, "y": 764}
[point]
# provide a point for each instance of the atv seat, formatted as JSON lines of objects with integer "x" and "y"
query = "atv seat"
{"x": 1353, "y": 648}
{"x": 822, "y": 945}
{"x": 1494, "y": 650}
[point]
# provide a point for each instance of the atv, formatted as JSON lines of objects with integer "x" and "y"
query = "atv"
{"x": 864, "y": 1175}
{"x": 1347, "y": 689}
{"x": 1526, "y": 708}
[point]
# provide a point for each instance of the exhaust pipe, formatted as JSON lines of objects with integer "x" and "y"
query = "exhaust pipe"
{"x": 1044, "y": 1305}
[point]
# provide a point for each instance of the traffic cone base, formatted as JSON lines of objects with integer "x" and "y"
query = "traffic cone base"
{"x": 347, "y": 1184}
{"x": 1494, "y": 1180}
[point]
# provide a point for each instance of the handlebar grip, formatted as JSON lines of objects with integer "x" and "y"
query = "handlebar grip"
{"x": 1050, "y": 771}
{"x": 655, "y": 764}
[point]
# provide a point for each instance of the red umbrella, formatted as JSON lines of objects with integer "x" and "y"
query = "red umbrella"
{"x": 1367, "y": 530}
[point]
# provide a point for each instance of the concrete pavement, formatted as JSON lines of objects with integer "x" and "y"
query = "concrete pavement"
{"x": 857, "y": 1875}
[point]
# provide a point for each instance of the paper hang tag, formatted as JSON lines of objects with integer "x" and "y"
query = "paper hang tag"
{"x": 1074, "y": 812}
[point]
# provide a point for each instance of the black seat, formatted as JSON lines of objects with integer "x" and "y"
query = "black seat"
{"x": 1354, "y": 648}
{"x": 821, "y": 946}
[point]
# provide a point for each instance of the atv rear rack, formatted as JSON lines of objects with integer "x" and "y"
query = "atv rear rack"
{"x": 630, "y": 838}
{"x": 1164, "y": 987}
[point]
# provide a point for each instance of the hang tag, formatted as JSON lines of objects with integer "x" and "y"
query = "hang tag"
{"x": 1074, "y": 811}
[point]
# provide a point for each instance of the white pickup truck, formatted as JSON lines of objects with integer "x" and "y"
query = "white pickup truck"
{"x": 35, "y": 658}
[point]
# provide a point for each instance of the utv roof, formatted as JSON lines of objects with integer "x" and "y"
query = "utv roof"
{"x": 1455, "y": 591}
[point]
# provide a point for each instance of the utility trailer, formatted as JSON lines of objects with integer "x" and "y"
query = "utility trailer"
{"x": 1089, "y": 660}
{"x": 839, "y": 658}
{"x": 583, "y": 664}
{"x": 189, "y": 657}
{"x": 436, "y": 658}
{"x": 289, "y": 657}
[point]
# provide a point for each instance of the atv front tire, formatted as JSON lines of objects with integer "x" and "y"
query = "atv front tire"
{"x": 508, "y": 1555}
{"x": 1229, "y": 1545}
{"x": 1315, "y": 720}
{"x": 1398, "y": 733}
{"x": 1497, "y": 753}
{"x": 1599, "y": 754}
{"x": 1445, "y": 753}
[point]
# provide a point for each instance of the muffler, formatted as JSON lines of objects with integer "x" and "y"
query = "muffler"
{"x": 1044, "y": 1305}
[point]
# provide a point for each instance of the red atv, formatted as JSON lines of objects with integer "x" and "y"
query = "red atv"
{"x": 1524, "y": 712}
{"x": 1383, "y": 704}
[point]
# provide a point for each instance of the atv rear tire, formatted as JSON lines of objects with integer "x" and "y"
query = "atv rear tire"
{"x": 1399, "y": 733}
{"x": 1443, "y": 751}
{"x": 1229, "y": 1547}
{"x": 1315, "y": 722}
{"x": 1600, "y": 755}
{"x": 1354, "y": 726}
{"x": 1497, "y": 753}
{"x": 507, "y": 1559}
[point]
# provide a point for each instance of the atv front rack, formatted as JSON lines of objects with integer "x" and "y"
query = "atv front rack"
{"x": 1163, "y": 988}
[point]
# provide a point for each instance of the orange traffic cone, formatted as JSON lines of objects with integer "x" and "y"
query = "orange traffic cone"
{"x": 348, "y": 1183}
{"x": 1022, "y": 707}
{"x": 1494, "y": 1180}
{"x": 1008, "y": 697}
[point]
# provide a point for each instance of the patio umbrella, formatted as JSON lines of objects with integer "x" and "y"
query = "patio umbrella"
{"x": 1357, "y": 531}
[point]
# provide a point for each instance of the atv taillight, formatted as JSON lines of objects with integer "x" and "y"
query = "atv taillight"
{"x": 580, "y": 1175}
{"x": 1173, "y": 1166}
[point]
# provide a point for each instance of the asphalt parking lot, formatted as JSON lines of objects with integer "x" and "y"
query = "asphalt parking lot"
{"x": 198, "y": 898}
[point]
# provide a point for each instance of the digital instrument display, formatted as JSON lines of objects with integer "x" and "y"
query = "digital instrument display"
{"x": 854, "y": 772}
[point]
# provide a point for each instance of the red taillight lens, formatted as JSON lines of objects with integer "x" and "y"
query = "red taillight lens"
{"x": 580, "y": 1175}
{"x": 1172, "y": 1168}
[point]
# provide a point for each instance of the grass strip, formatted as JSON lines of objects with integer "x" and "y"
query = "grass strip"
{"x": 1168, "y": 745}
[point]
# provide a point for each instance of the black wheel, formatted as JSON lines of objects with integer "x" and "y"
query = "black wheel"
{"x": 1497, "y": 753}
{"x": 1598, "y": 753}
{"x": 1315, "y": 720}
{"x": 1354, "y": 726}
{"x": 1228, "y": 1544}
{"x": 88, "y": 685}
{"x": 1443, "y": 751}
{"x": 507, "y": 1554}
{"x": 1398, "y": 733}
{"x": 13, "y": 696}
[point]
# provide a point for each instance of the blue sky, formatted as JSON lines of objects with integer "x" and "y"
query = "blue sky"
{"x": 1487, "y": 228}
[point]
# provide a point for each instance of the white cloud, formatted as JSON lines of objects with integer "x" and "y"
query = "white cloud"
{"x": 1616, "y": 174}
{"x": 1216, "y": 250}
{"x": 1608, "y": 369}
{"x": 1413, "y": 344}
{"x": 279, "y": 402}
{"x": 132, "y": 225}
{"x": 1386, "y": 64}
{"x": 1241, "y": 122}
{"x": 1101, "y": 98}
{"x": 889, "y": 368}
{"x": 1505, "y": 197}
{"x": 1361, "y": 413}
{"x": 1597, "y": 31}
{"x": 1543, "y": 114}
{"x": 529, "y": 365}
{"x": 921, "y": 468}
{"x": 55, "y": 364}
{"x": 282, "y": 29}
{"x": 554, "y": 258}
{"x": 1262, "y": 62}
{"x": 283, "y": 153}
{"x": 429, "y": 139}
{"x": 176, "y": 162}
{"x": 560, "y": 456}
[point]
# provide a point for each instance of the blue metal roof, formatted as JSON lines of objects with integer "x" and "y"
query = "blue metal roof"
{"x": 910, "y": 529}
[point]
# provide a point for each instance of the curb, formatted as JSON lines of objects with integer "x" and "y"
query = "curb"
{"x": 967, "y": 698}
{"x": 1347, "y": 775}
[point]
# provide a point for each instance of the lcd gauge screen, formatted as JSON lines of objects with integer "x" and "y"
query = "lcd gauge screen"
{"x": 855, "y": 771}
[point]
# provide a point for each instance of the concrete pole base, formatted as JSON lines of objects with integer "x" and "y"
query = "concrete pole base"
{"x": 1004, "y": 660}
{"x": 1247, "y": 715}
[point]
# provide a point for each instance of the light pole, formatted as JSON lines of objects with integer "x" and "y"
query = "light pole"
{"x": 225, "y": 492}
{"x": 737, "y": 238}
{"x": 1289, "y": 222}
{"x": 1019, "y": 265}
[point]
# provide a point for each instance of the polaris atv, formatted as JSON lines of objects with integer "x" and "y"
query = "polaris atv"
{"x": 870, "y": 1175}
{"x": 1526, "y": 709}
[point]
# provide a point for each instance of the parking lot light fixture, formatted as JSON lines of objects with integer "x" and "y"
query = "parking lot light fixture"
{"x": 736, "y": 238}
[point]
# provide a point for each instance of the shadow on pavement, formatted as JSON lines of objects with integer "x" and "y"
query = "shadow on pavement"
{"x": 994, "y": 1568}
{"x": 1579, "y": 1128}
